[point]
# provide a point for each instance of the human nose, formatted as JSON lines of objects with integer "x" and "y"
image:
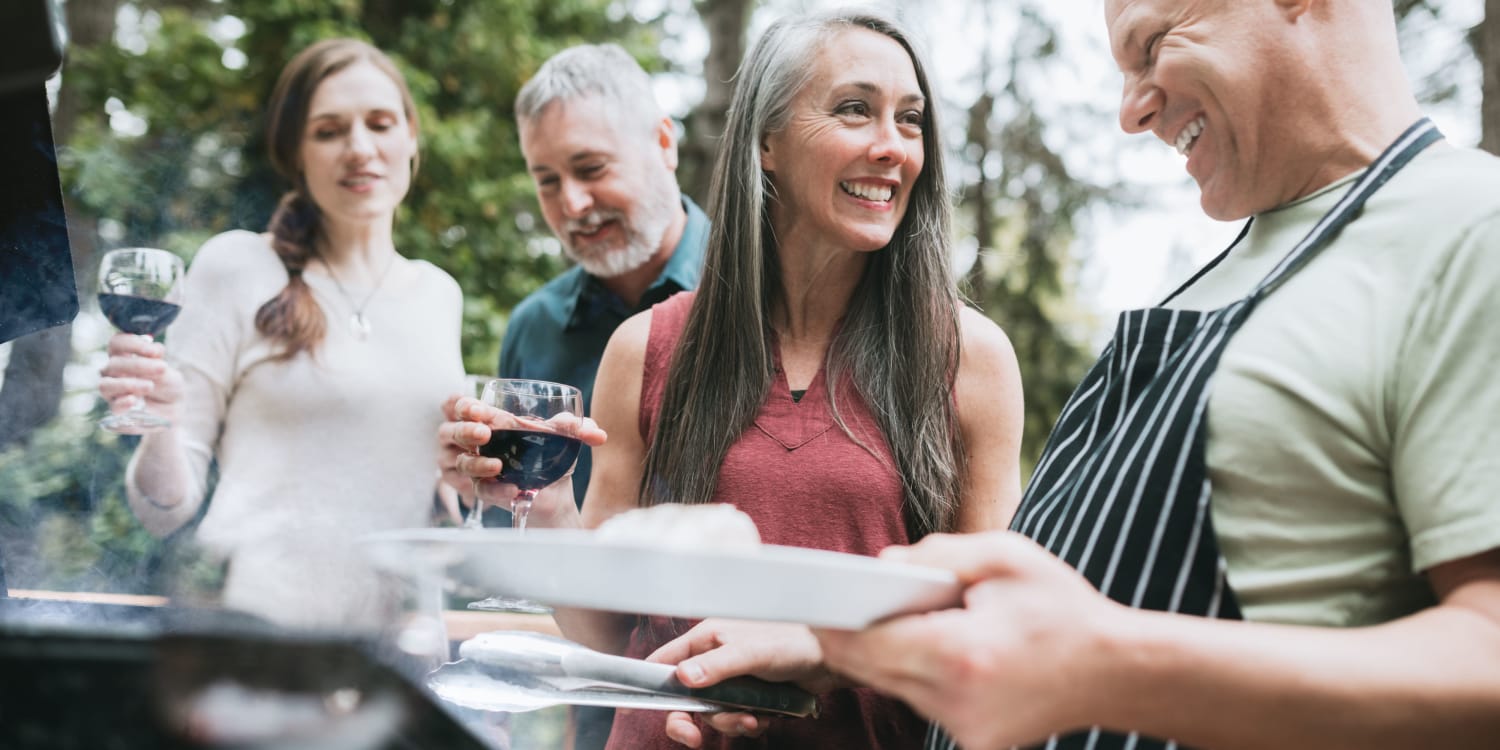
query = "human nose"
{"x": 889, "y": 146}
{"x": 1140, "y": 103}
{"x": 576, "y": 199}
{"x": 361, "y": 144}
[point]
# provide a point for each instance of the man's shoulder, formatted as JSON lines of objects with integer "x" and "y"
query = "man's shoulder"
{"x": 551, "y": 300}
{"x": 546, "y": 308}
{"x": 1436, "y": 200}
{"x": 1465, "y": 178}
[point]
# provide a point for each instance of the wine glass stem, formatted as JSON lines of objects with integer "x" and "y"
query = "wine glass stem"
{"x": 520, "y": 508}
{"x": 476, "y": 513}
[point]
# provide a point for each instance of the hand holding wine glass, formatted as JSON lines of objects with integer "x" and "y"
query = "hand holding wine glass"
{"x": 540, "y": 445}
{"x": 471, "y": 424}
{"x": 140, "y": 292}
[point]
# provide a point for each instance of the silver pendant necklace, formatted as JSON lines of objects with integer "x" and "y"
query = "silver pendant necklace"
{"x": 358, "y": 323}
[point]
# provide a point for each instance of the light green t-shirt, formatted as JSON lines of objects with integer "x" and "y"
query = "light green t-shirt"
{"x": 1353, "y": 438}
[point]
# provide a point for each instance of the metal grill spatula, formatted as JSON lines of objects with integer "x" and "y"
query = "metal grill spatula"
{"x": 523, "y": 671}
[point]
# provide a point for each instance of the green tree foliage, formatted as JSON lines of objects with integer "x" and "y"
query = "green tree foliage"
{"x": 200, "y": 163}
{"x": 167, "y": 149}
{"x": 1021, "y": 205}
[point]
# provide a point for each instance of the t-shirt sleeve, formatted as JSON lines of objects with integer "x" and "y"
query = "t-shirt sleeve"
{"x": 1446, "y": 448}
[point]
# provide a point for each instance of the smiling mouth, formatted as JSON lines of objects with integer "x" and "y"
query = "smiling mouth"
{"x": 358, "y": 180}
{"x": 876, "y": 193}
{"x": 590, "y": 232}
{"x": 1189, "y": 135}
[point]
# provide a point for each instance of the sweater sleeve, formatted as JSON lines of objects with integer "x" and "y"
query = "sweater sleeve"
{"x": 224, "y": 287}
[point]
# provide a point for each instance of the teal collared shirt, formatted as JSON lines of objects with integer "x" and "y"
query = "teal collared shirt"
{"x": 558, "y": 332}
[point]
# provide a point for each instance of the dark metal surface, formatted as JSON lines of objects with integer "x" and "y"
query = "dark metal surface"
{"x": 108, "y": 676}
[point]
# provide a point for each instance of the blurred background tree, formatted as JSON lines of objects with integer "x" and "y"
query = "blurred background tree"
{"x": 158, "y": 120}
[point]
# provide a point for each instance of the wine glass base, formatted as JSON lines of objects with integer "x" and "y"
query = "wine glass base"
{"x": 510, "y": 604}
{"x": 134, "y": 423}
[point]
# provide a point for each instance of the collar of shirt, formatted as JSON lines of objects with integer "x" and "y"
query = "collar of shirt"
{"x": 590, "y": 300}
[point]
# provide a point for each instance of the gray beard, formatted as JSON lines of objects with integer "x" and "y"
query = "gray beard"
{"x": 638, "y": 250}
{"x": 642, "y": 239}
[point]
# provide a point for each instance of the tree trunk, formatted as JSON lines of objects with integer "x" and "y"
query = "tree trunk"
{"x": 726, "y": 22}
{"x": 33, "y": 386}
{"x": 1488, "y": 47}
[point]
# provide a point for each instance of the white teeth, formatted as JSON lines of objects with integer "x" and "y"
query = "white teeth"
{"x": 1189, "y": 135}
{"x": 881, "y": 193}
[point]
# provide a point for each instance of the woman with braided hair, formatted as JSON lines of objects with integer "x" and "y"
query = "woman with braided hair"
{"x": 316, "y": 328}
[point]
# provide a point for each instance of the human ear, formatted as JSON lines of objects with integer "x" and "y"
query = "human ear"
{"x": 1294, "y": 9}
{"x": 767, "y": 154}
{"x": 666, "y": 139}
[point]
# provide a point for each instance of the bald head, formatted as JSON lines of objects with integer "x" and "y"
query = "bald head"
{"x": 1268, "y": 100}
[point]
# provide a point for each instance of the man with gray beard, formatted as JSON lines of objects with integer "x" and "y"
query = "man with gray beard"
{"x": 604, "y": 158}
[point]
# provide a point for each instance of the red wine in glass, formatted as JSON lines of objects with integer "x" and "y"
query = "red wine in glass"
{"x": 139, "y": 315}
{"x": 140, "y": 293}
{"x": 532, "y": 459}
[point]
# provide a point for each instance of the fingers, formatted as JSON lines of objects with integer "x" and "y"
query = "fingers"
{"x": 113, "y": 389}
{"x": 132, "y": 366}
{"x": 771, "y": 651}
{"x": 713, "y": 665}
{"x": 972, "y": 557}
{"x": 450, "y": 408}
{"x": 132, "y": 345}
{"x": 699, "y": 638}
{"x": 735, "y": 724}
{"x": 466, "y": 437}
{"x": 582, "y": 428}
{"x": 683, "y": 730}
{"x": 468, "y": 410}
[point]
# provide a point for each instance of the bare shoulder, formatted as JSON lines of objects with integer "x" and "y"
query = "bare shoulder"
{"x": 988, "y": 388}
{"x": 627, "y": 345}
{"x": 617, "y": 388}
{"x": 986, "y": 351}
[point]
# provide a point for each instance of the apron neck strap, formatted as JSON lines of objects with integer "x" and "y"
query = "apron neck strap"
{"x": 1419, "y": 136}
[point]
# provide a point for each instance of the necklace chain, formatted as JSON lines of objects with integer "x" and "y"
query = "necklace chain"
{"x": 358, "y": 321}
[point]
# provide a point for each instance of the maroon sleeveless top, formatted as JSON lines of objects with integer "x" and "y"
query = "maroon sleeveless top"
{"x": 806, "y": 484}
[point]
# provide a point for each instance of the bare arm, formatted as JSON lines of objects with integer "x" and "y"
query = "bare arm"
{"x": 614, "y": 486}
{"x": 1428, "y": 680}
{"x": 990, "y": 414}
{"x": 1035, "y": 638}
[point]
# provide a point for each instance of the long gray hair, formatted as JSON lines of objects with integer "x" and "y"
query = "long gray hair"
{"x": 899, "y": 340}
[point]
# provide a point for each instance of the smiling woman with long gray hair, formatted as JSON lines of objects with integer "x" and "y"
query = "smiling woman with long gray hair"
{"x": 825, "y": 378}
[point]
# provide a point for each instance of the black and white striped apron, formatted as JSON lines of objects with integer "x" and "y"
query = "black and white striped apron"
{"x": 1121, "y": 492}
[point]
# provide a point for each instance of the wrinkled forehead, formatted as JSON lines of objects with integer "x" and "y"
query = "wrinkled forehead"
{"x": 1125, "y": 19}
{"x": 1121, "y": 13}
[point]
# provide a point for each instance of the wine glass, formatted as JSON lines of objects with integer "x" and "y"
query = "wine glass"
{"x": 140, "y": 293}
{"x": 474, "y": 386}
{"x": 534, "y": 454}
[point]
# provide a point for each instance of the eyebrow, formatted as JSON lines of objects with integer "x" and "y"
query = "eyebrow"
{"x": 340, "y": 115}
{"x": 574, "y": 159}
{"x": 870, "y": 88}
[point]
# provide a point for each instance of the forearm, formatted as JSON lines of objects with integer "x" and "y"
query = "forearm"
{"x": 1430, "y": 680}
{"x": 159, "y": 484}
{"x": 608, "y": 632}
